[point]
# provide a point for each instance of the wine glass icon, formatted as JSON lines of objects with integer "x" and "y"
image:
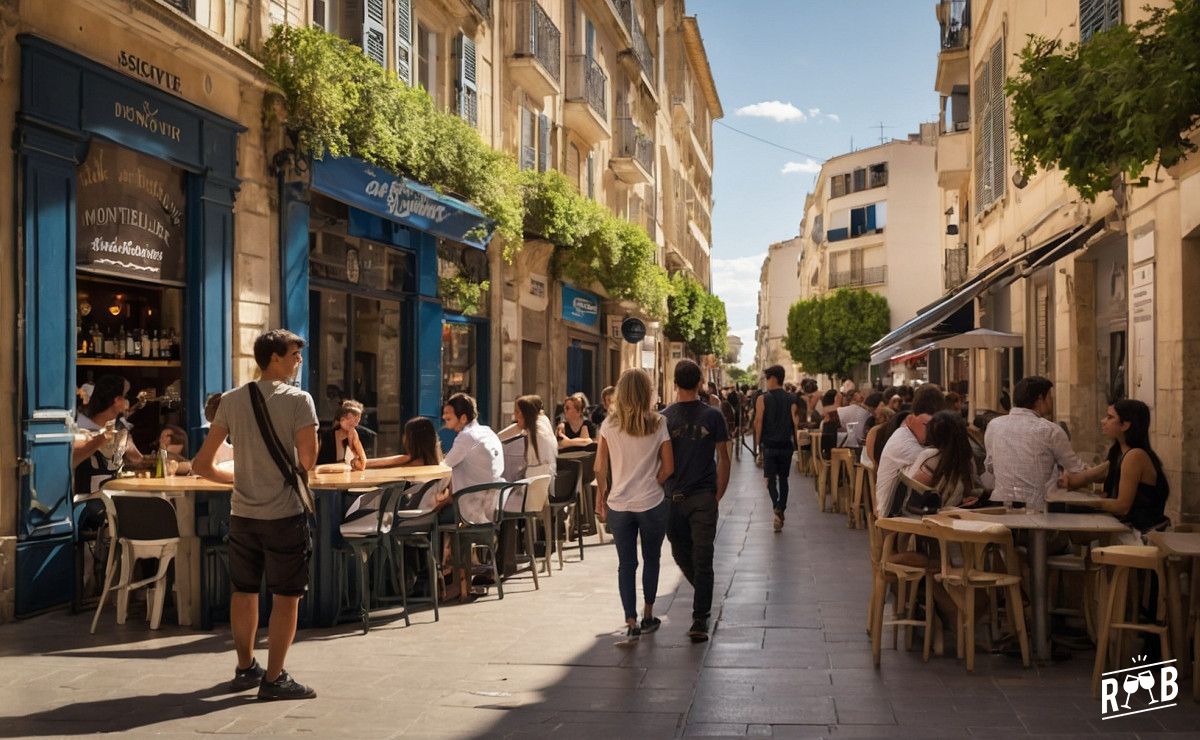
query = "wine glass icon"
{"x": 1146, "y": 681}
{"x": 1130, "y": 685}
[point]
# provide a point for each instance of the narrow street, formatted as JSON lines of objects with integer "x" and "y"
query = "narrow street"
{"x": 789, "y": 657}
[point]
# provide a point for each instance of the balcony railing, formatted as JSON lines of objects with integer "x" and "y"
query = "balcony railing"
{"x": 641, "y": 49}
{"x": 632, "y": 143}
{"x": 955, "y": 267}
{"x": 538, "y": 37}
{"x": 858, "y": 278}
{"x": 484, "y": 7}
{"x": 588, "y": 82}
{"x": 956, "y": 24}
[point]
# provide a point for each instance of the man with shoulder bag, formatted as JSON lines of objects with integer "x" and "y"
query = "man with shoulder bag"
{"x": 698, "y": 435}
{"x": 275, "y": 428}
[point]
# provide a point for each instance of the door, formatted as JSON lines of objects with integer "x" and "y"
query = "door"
{"x": 581, "y": 369}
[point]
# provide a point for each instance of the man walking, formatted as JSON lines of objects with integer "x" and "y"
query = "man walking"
{"x": 698, "y": 432}
{"x": 268, "y": 529}
{"x": 775, "y": 413}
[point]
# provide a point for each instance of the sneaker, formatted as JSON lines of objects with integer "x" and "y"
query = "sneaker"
{"x": 778, "y": 521}
{"x": 632, "y": 633}
{"x": 284, "y": 687}
{"x": 247, "y": 678}
{"x": 699, "y": 631}
{"x": 650, "y": 625}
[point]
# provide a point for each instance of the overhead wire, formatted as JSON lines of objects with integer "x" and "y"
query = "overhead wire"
{"x": 768, "y": 142}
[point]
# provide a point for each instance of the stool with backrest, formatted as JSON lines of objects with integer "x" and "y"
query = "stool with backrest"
{"x": 364, "y": 532}
{"x": 1073, "y": 562}
{"x": 857, "y": 516}
{"x": 143, "y": 527}
{"x": 524, "y": 504}
{"x": 1119, "y": 613}
{"x": 1189, "y": 626}
{"x": 977, "y": 541}
{"x": 414, "y": 524}
{"x": 821, "y": 466}
{"x": 803, "y": 452}
{"x": 471, "y": 530}
{"x": 841, "y": 470}
{"x": 907, "y": 570}
{"x": 876, "y": 545}
{"x": 563, "y": 496}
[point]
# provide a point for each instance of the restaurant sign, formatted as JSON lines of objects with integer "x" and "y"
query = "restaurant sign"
{"x": 130, "y": 215}
{"x": 580, "y": 306}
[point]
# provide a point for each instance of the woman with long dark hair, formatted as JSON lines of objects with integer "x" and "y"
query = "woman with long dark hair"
{"x": 420, "y": 443}
{"x": 947, "y": 465}
{"x": 1134, "y": 483}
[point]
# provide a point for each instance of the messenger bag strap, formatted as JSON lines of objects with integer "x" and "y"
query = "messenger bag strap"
{"x": 291, "y": 473}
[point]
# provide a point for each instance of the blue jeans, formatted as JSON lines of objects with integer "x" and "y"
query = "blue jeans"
{"x": 625, "y": 526}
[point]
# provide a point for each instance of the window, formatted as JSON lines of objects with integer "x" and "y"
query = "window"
{"x": 528, "y": 141}
{"x": 468, "y": 94}
{"x": 322, "y": 17}
{"x": 374, "y": 38}
{"x": 877, "y": 175}
{"x": 590, "y": 175}
{"x": 1096, "y": 16}
{"x": 991, "y": 138}
{"x": 571, "y": 166}
{"x": 427, "y": 61}
{"x": 404, "y": 50}
{"x": 589, "y": 39}
{"x": 837, "y": 186}
{"x": 862, "y": 178}
{"x": 853, "y": 222}
{"x": 187, "y": 7}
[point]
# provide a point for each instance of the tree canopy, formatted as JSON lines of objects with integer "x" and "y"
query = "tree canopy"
{"x": 833, "y": 333}
{"x": 696, "y": 317}
{"x": 1126, "y": 98}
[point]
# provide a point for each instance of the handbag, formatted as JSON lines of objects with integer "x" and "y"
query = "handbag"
{"x": 291, "y": 472}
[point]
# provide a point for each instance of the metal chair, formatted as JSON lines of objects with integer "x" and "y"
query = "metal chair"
{"x": 414, "y": 524}
{"x": 362, "y": 537}
{"x": 525, "y": 503}
{"x": 564, "y": 495}
{"x": 143, "y": 527}
{"x": 472, "y": 530}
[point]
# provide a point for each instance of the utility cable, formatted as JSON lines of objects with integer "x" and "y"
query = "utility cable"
{"x": 818, "y": 160}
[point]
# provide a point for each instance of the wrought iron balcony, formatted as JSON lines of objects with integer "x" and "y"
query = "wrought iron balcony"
{"x": 858, "y": 278}
{"x": 483, "y": 7}
{"x": 633, "y": 156}
{"x": 538, "y": 49}
{"x": 586, "y": 110}
{"x": 955, "y": 16}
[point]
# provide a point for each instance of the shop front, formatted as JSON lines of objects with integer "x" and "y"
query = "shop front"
{"x": 362, "y": 253}
{"x": 126, "y": 209}
{"x": 581, "y": 317}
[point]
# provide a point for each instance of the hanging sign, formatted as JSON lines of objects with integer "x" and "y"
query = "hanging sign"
{"x": 130, "y": 215}
{"x": 633, "y": 330}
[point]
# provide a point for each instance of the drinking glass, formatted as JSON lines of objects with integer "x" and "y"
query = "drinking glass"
{"x": 172, "y": 468}
{"x": 1131, "y": 684}
{"x": 1146, "y": 681}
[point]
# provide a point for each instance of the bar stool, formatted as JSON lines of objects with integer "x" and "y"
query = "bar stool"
{"x": 907, "y": 570}
{"x": 821, "y": 466}
{"x": 841, "y": 461}
{"x": 1058, "y": 566}
{"x": 1119, "y": 561}
{"x": 857, "y": 517}
{"x": 803, "y": 452}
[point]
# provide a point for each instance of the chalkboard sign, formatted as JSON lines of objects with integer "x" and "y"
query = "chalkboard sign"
{"x": 130, "y": 218}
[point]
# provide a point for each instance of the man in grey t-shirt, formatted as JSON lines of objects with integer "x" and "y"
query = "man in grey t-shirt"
{"x": 268, "y": 529}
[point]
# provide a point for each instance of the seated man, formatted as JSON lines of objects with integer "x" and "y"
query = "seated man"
{"x": 476, "y": 457}
{"x": 1025, "y": 448}
{"x": 904, "y": 446}
{"x": 858, "y": 414}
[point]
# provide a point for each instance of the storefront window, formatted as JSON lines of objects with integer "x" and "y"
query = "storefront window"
{"x": 460, "y": 372}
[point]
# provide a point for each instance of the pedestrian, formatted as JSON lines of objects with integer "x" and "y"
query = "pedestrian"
{"x": 775, "y": 429}
{"x": 698, "y": 434}
{"x": 635, "y": 442}
{"x": 275, "y": 425}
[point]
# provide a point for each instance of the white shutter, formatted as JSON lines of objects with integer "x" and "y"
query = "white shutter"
{"x": 404, "y": 45}
{"x": 374, "y": 40}
{"x": 528, "y": 147}
{"x": 982, "y": 126}
{"x": 543, "y": 142}
{"x": 468, "y": 89}
{"x": 999, "y": 131}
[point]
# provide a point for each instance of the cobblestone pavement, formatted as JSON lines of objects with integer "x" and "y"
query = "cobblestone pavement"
{"x": 789, "y": 657}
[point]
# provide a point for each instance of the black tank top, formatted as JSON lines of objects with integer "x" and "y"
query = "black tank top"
{"x": 778, "y": 431}
{"x": 1149, "y": 502}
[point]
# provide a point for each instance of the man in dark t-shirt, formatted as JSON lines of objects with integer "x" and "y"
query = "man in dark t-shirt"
{"x": 700, "y": 443}
{"x": 775, "y": 417}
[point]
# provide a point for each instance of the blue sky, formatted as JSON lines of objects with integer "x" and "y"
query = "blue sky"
{"x": 813, "y": 76}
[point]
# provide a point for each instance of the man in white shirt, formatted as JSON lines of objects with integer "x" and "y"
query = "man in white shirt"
{"x": 905, "y": 444}
{"x": 1025, "y": 448}
{"x": 858, "y": 414}
{"x": 477, "y": 455}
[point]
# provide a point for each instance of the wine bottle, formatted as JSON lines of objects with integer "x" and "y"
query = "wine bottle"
{"x": 154, "y": 346}
{"x": 120, "y": 343}
{"x": 110, "y": 347}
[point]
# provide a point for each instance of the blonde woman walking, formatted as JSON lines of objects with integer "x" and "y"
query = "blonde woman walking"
{"x": 635, "y": 441}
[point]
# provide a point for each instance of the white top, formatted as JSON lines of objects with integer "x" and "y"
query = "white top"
{"x": 476, "y": 457}
{"x": 634, "y": 485}
{"x": 1024, "y": 452}
{"x": 929, "y": 460}
{"x": 848, "y": 415}
{"x": 901, "y": 450}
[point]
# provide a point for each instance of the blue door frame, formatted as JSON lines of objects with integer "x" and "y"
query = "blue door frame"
{"x": 67, "y": 99}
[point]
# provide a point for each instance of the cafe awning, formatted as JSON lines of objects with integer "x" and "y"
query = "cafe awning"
{"x": 387, "y": 195}
{"x": 980, "y": 339}
{"x": 912, "y": 354}
{"x": 954, "y": 312}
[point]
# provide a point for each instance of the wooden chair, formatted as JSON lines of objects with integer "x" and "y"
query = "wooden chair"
{"x": 975, "y": 539}
{"x": 804, "y": 462}
{"x": 1076, "y": 562}
{"x": 1119, "y": 562}
{"x": 841, "y": 469}
{"x": 821, "y": 465}
{"x": 857, "y": 516}
{"x": 906, "y": 570}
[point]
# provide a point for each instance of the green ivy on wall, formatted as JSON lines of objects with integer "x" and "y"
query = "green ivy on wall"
{"x": 458, "y": 291}
{"x": 1125, "y": 99}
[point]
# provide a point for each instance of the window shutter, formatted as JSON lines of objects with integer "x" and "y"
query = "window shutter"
{"x": 1096, "y": 16}
{"x": 404, "y": 45}
{"x": 374, "y": 40}
{"x": 571, "y": 166}
{"x": 591, "y": 175}
{"x": 468, "y": 90}
{"x": 999, "y": 132}
{"x": 528, "y": 148}
{"x": 982, "y": 128}
{"x": 543, "y": 142}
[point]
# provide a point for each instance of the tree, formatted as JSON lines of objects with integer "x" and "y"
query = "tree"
{"x": 832, "y": 334}
{"x": 1115, "y": 104}
{"x": 738, "y": 376}
{"x": 696, "y": 317}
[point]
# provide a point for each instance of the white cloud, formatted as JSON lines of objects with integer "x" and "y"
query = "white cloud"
{"x": 807, "y": 167}
{"x": 735, "y": 280}
{"x": 773, "y": 109}
{"x": 814, "y": 112}
{"x": 834, "y": 117}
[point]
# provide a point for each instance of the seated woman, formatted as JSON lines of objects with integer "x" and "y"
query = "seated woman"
{"x": 105, "y": 447}
{"x": 341, "y": 443}
{"x": 829, "y": 423}
{"x": 1134, "y": 484}
{"x": 224, "y": 455}
{"x": 883, "y": 414}
{"x": 946, "y": 465}
{"x": 420, "y": 443}
{"x": 541, "y": 448}
{"x": 575, "y": 431}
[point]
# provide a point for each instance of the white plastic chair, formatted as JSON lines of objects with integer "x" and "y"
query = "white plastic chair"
{"x": 143, "y": 527}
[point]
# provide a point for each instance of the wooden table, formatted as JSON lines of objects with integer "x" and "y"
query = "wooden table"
{"x": 1178, "y": 546}
{"x": 1038, "y": 525}
{"x": 377, "y": 477}
{"x": 180, "y": 490}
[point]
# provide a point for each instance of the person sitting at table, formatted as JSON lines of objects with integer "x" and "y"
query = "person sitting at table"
{"x": 855, "y": 417}
{"x": 530, "y": 421}
{"x": 224, "y": 453}
{"x": 98, "y": 456}
{"x": 575, "y": 430}
{"x": 476, "y": 457}
{"x": 903, "y": 446}
{"x": 340, "y": 443}
{"x": 1025, "y": 448}
{"x": 878, "y": 421}
{"x": 600, "y": 411}
{"x": 420, "y": 443}
{"x": 829, "y": 423}
{"x": 946, "y": 464}
{"x": 1135, "y": 487}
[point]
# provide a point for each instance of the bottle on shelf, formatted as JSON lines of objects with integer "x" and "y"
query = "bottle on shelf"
{"x": 174, "y": 345}
{"x": 136, "y": 338}
{"x": 97, "y": 341}
{"x": 119, "y": 343}
{"x": 154, "y": 346}
{"x": 81, "y": 343}
{"x": 109, "y": 343}
{"x": 131, "y": 349}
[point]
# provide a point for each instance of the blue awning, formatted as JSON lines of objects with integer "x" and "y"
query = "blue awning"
{"x": 387, "y": 195}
